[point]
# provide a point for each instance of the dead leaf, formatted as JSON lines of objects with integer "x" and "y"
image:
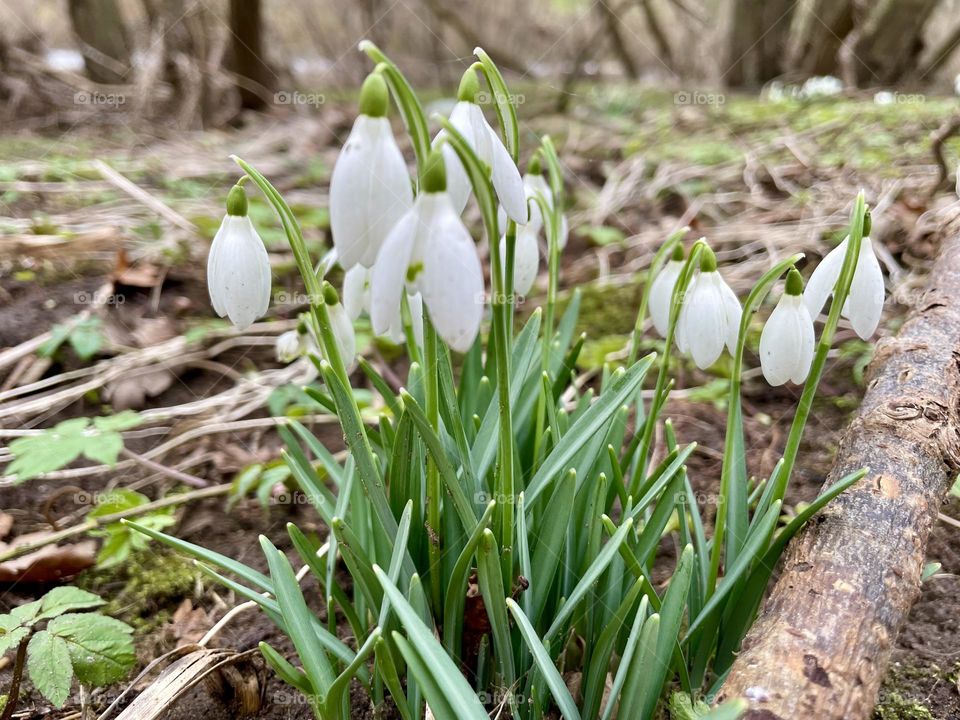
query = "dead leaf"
{"x": 130, "y": 393}
{"x": 142, "y": 275}
{"x": 49, "y": 563}
{"x": 188, "y": 624}
{"x": 6, "y": 524}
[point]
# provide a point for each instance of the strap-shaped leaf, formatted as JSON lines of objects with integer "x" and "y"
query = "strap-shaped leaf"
{"x": 442, "y": 682}
{"x": 558, "y": 688}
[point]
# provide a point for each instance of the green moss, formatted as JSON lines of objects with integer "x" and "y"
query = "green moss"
{"x": 146, "y": 590}
{"x": 894, "y": 706}
{"x": 605, "y": 309}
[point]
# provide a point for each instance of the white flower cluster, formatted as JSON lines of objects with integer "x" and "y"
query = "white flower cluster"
{"x": 710, "y": 312}
{"x": 392, "y": 244}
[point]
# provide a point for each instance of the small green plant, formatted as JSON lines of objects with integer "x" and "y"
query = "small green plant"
{"x": 84, "y": 335}
{"x": 498, "y": 516}
{"x": 97, "y": 439}
{"x": 60, "y": 637}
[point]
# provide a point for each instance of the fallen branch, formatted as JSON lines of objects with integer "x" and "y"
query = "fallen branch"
{"x": 823, "y": 642}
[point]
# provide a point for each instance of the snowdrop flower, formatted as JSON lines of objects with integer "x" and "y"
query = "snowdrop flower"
{"x": 468, "y": 119}
{"x": 238, "y": 269}
{"x": 535, "y": 183}
{"x": 710, "y": 317}
{"x": 787, "y": 340}
{"x": 884, "y": 97}
{"x": 864, "y": 305}
{"x": 370, "y": 189}
{"x": 821, "y": 86}
{"x": 661, "y": 291}
{"x": 431, "y": 253}
{"x": 289, "y": 346}
{"x": 342, "y": 326}
{"x": 356, "y": 300}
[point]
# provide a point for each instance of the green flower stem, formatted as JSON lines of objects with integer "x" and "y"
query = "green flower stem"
{"x": 841, "y": 292}
{"x": 370, "y": 477}
{"x": 504, "y": 488}
{"x": 732, "y": 507}
{"x": 662, "y": 387}
{"x": 659, "y": 259}
{"x": 434, "y": 490}
{"x": 503, "y": 102}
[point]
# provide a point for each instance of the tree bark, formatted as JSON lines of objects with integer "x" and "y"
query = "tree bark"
{"x": 816, "y": 36}
{"x": 247, "y": 58}
{"x": 891, "y": 42}
{"x": 611, "y": 21}
{"x": 824, "y": 639}
{"x": 755, "y": 39}
{"x": 99, "y": 27}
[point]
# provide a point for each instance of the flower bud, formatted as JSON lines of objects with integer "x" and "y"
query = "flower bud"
{"x": 237, "y": 200}
{"x": 433, "y": 178}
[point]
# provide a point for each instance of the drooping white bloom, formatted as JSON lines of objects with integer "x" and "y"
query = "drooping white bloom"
{"x": 431, "y": 253}
{"x": 526, "y": 257}
{"x": 864, "y": 305}
{"x": 468, "y": 119}
{"x": 356, "y": 300}
{"x": 343, "y": 335}
{"x": 821, "y": 86}
{"x": 787, "y": 341}
{"x": 370, "y": 189}
{"x": 710, "y": 316}
{"x": 238, "y": 268}
{"x": 535, "y": 183}
{"x": 289, "y": 346}
{"x": 661, "y": 293}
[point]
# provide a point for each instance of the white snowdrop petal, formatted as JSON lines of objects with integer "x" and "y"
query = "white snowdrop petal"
{"x": 343, "y": 335}
{"x": 507, "y": 181}
{"x": 458, "y": 182}
{"x": 451, "y": 279}
{"x": 823, "y": 279}
{"x": 732, "y": 313}
{"x": 864, "y": 305}
{"x": 661, "y": 294}
{"x": 705, "y": 322}
{"x": 389, "y": 273}
{"x": 415, "y": 303}
{"x": 806, "y": 347}
{"x": 239, "y": 272}
{"x": 564, "y": 231}
{"x": 480, "y": 133}
{"x": 214, "y": 261}
{"x": 526, "y": 259}
{"x": 369, "y": 191}
{"x": 784, "y": 341}
{"x": 287, "y": 346}
{"x": 356, "y": 291}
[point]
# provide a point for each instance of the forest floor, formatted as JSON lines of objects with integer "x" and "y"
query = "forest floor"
{"x": 105, "y": 232}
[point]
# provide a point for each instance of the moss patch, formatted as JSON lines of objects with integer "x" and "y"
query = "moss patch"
{"x": 144, "y": 591}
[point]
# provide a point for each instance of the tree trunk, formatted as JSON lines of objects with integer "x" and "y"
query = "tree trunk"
{"x": 247, "y": 54}
{"x": 891, "y": 41}
{"x": 611, "y": 23}
{"x": 755, "y": 38}
{"x": 824, "y": 639}
{"x": 99, "y": 27}
{"x": 816, "y": 36}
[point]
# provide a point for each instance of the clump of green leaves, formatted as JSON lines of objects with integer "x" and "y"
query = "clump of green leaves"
{"x": 97, "y": 439}
{"x": 119, "y": 541}
{"x": 501, "y": 523}
{"x": 61, "y": 637}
